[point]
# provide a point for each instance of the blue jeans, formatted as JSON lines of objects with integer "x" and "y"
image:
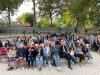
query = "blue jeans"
{"x": 57, "y": 60}
{"x": 30, "y": 60}
{"x": 39, "y": 61}
{"x": 47, "y": 59}
{"x": 89, "y": 56}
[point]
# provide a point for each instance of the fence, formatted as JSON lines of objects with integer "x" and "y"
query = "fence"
{"x": 19, "y": 30}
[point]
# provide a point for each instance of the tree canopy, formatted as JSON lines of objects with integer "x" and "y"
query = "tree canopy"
{"x": 73, "y": 13}
{"x": 10, "y": 6}
{"x": 26, "y": 18}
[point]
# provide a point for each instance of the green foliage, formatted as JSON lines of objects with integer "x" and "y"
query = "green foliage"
{"x": 10, "y": 6}
{"x": 57, "y": 23}
{"x": 99, "y": 30}
{"x": 26, "y": 18}
{"x": 81, "y": 13}
{"x": 44, "y": 22}
{"x": 67, "y": 18}
{"x": 74, "y": 13}
{"x": 50, "y": 9}
{"x": 75, "y": 29}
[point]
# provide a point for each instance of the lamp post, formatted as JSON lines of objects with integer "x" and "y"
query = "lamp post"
{"x": 24, "y": 32}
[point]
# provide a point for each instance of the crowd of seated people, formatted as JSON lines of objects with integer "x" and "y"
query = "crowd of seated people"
{"x": 37, "y": 49}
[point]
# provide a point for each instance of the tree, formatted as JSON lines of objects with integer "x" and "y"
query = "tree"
{"x": 34, "y": 11}
{"x": 10, "y": 6}
{"x": 26, "y": 18}
{"x": 83, "y": 12}
{"x": 68, "y": 19}
{"x": 57, "y": 22}
{"x": 43, "y": 22}
{"x": 50, "y": 8}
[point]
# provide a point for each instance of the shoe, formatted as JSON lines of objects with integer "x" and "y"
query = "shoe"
{"x": 23, "y": 68}
{"x": 80, "y": 64}
{"x": 17, "y": 69}
{"x": 76, "y": 63}
{"x": 10, "y": 69}
{"x": 40, "y": 69}
{"x": 71, "y": 68}
{"x": 93, "y": 60}
{"x": 86, "y": 61}
{"x": 28, "y": 67}
{"x": 50, "y": 66}
{"x": 59, "y": 68}
{"x": 32, "y": 68}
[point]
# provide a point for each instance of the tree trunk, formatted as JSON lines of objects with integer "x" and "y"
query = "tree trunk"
{"x": 76, "y": 22}
{"x": 51, "y": 22}
{"x": 50, "y": 19}
{"x": 34, "y": 16}
{"x": 9, "y": 22}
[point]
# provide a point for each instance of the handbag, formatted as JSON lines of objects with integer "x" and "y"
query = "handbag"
{"x": 48, "y": 55}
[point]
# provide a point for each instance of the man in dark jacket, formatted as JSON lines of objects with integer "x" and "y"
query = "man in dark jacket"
{"x": 64, "y": 54}
{"x": 20, "y": 57}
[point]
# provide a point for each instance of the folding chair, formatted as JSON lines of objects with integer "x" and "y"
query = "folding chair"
{"x": 3, "y": 54}
{"x": 8, "y": 48}
{"x": 2, "y": 48}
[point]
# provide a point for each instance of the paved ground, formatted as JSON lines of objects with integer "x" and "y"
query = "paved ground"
{"x": 87, "y": 69}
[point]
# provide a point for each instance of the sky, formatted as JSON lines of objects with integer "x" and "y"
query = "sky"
{"x": 25, "y": 7}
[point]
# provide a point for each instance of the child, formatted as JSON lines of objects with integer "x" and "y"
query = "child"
{"x": 11, "y": 55}
{"x": 87, "y": 54}
{"x": 70, "y": 50}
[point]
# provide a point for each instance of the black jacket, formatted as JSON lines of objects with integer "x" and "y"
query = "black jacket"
{"x": 1, "y": 45}
{"x": 86, "y": 41}
{"x": 61, "y": 52}
{"x": 41, "y": 52}
{"x": 33, "y": 53}
{"x": 7, "y": 44}
{"x": 21, "y": 53}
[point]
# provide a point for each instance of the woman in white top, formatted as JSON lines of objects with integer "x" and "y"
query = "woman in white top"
{"x": 47, "y": 55}
{"x": 11, "y": 55}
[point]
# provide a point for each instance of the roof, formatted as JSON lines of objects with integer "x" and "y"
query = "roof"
{"x": 21, "y": 25}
